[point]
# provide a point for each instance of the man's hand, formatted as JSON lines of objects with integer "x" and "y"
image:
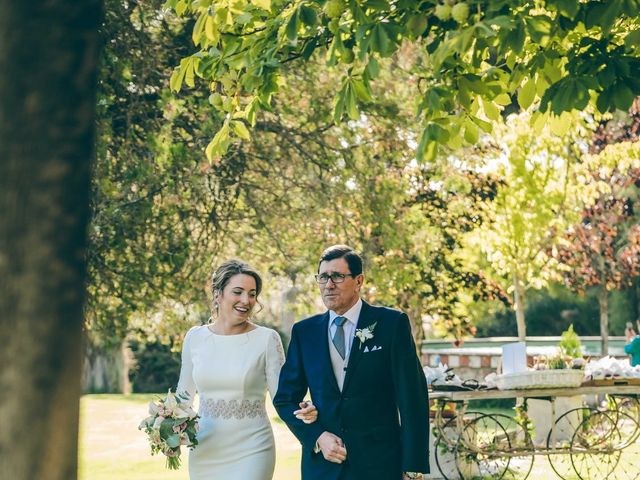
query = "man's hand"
{"x": 332, "y": 447}
{"x": 307, "y": 413}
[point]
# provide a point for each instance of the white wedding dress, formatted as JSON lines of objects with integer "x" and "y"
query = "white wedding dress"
{"x": 231, "y": 374}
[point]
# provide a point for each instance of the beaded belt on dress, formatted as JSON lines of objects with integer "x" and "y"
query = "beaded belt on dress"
{"x": 228, "y": 409}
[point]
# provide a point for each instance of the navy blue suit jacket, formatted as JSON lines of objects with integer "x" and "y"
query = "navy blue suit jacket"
{"x": 382, "y": 413}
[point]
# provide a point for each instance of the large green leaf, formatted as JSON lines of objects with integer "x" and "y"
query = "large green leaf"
{"x": 471, "y": 132}
{"x": 527, "y": 93}
{"x": 264, "y": 4}
{"x": 603, "y": 14}
{"x": 516, "y": 37}
{"x": 362, "y": 91}
{"x": 380, "y": 41}
{"x": 568, "y": 8}
{"x": 632, "y": 40}
{"x": 292, "y": 26}
{"x": 622, "y": 96}
{"x": 308, "y": 16}
{"x": 240, "y": 129}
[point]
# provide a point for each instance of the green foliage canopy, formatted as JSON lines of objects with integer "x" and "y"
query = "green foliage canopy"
{"x": 156, "y": 212}
{"x": 482, "y": 57}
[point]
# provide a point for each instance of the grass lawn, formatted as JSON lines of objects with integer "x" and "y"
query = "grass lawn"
{"x": 112, "y": 447}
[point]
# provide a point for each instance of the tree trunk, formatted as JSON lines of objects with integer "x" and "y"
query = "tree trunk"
{"x": 107, "y": 371}
{"x": 603, "y": 299}
{"x": 519, "y": 300}
{"x": 48, "y": 66}
{"x": 635, "y": 298}
{"x": 289, "y": 314}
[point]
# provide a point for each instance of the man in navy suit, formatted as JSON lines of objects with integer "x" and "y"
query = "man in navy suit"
{"x": 360, "y": 366}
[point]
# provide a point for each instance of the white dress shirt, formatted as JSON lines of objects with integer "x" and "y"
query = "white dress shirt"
{"x": 349, "y": 326}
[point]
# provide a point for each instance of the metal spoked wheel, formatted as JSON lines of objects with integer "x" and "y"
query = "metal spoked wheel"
{"x": 627, "y": 427}
{"x": 494, "y": 446}
{"x": 627, "y": 404}
{"x": 594, "y": 447}
{"x": 625, "y": 411}
{"x": 447, "y": 438}
{"x": 559, "y": 440}
{"x": 628, "y": 465}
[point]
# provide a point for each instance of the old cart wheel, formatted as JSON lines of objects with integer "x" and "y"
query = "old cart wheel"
{"x": 628, "y": 465}
{"x": 494, "y": 446}
{"x": 559, "y": 440}
{"x": 594, "y": 453}
{"x": 445, "y": 443}
{"x": 625, "y": 412}
{"x": 627, "y": 404}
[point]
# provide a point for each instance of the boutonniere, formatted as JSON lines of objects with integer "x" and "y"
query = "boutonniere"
{"x": 365, "y": 334}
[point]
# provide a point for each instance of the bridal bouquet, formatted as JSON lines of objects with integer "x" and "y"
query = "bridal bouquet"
{"x": 170, "y": 424}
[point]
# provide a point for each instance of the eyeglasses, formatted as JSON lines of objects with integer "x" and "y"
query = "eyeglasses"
{"x": 335, "y": 277}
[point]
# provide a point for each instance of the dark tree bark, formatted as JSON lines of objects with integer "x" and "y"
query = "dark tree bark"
{"x": 635, "y": 298}
{"x": 603, "y": 299}
{"x": 48, "y": 64}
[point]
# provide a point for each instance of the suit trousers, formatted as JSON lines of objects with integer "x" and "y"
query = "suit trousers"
{"x": 347, "y": 473}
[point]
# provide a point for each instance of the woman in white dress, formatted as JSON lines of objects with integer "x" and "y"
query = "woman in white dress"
{"x": 231, "y": 363}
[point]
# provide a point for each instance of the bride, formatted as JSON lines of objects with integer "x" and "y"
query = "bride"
{"x": 231, "y": 363}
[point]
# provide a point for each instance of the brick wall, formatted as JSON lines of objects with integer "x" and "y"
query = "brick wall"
{"x": 477, "y": 362}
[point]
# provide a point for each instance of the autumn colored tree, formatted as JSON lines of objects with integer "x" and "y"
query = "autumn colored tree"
{"x": 603, "y": 250}
{"x": 619, "y": 127}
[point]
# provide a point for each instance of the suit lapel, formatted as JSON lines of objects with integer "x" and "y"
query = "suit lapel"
{"x": 366, "y": 318}
{"x": 325, "y": 358}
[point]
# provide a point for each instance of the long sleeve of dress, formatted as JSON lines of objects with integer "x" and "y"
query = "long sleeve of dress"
{"x": 274, "y": 362}
{"x": 186, "y": 384}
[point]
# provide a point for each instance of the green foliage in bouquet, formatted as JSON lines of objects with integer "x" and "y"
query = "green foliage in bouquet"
{"x": 570, "y": 345}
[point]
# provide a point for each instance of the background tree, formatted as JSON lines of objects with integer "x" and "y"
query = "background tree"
{"x": 156, "y": 209}
{"x": 622, "y": 127}
{"x": 277, "y": 199}
{"x": 47, "y": 132}
{"x": 474, "y": 66}
{"x": 603, "y": 250}
{"x": 359, "y": 187}
{"x": 619, "y": 127}
{"x": 533, "y": 200}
